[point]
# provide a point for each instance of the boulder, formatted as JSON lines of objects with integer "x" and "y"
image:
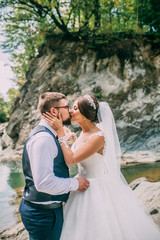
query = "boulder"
{"x": 6, "y": 141}
{"x": 9, "y": 154}
{"x": 149, "y": 194}
{"x": 2, "y": 127}
{"x": 17, "y": 232}
{"x": 140, "y": 157}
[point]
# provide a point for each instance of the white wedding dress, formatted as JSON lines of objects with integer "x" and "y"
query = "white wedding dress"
{"x": 107, "y": 210}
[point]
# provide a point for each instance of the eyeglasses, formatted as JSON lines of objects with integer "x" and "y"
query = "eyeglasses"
{"x": 66, "y": 107}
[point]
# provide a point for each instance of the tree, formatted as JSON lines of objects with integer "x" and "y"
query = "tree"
{"x": 25, "y": 25}
{"x": 4, "y": 110}
{"x": 12, "y": 92}
{"x": 149, "y": 15}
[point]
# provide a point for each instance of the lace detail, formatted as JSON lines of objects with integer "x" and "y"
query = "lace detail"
{"x": 96, "y": 134}
{"x": 81, "y": 170}
{"x": 75, "y": 148}
{"x": 105, "y": 145}
{"x": 105, "y": 142}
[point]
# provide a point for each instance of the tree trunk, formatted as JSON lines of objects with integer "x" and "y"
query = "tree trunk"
{"x": 96, "y": 13}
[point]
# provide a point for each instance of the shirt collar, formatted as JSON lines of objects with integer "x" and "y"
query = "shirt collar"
{"x": 45, "y": 124}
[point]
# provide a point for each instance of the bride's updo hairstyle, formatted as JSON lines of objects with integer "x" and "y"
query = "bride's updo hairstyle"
{"x": 88, "y": 107}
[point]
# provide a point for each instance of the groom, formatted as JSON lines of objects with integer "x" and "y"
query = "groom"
{"x": 46, "y": 174}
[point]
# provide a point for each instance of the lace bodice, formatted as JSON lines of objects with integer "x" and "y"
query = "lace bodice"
{"x": 92, "y": 166}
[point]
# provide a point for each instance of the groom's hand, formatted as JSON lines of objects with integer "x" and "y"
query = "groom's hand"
{"x": 83, "y": 184}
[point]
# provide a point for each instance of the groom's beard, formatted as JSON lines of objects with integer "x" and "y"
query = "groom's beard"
{"x": 67, "y": 121}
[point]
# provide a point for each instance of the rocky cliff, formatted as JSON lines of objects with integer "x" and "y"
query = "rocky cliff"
{"x": 126, "y": 73}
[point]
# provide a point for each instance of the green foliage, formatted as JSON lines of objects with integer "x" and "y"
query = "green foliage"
{"x": 5, "y": 106}
{"x": 22, "y": 39}
{"x": 149, "y": 15}
{"x": 4, "y": 110}
{"x": 26, "y": 24}
{"x": 12, "y": 94}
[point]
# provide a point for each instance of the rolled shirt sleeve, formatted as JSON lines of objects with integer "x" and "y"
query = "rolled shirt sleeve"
{"x": 42, "y": 149}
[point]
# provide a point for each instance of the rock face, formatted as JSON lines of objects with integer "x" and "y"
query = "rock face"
{"x": 124, "y": 73}
{"x": 2, "y": 128}
{"x": 149, "y": 194}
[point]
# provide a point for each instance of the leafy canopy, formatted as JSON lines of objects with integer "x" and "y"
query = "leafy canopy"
{"x": 26, "y": 23}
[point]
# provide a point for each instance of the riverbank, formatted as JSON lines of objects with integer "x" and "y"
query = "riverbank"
{"x": 140, "y": 157}
{"x": 147, "y": 192}
{"x": 10, "y": 154}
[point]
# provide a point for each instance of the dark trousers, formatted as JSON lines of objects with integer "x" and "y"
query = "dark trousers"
{"x": 42, "y": 224}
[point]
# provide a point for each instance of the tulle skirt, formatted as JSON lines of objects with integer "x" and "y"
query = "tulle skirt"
{"x": 107, "y": 210}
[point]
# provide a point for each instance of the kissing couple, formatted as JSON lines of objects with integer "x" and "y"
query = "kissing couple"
{"x": 97, "y": 204}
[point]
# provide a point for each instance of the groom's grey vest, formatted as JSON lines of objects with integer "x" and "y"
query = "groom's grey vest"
{"x": 60, "y": 170}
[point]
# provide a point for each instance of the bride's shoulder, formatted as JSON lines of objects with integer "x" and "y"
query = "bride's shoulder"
{"x": 98, "y": 133}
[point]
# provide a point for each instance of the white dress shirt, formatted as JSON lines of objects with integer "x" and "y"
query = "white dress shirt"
{"x": 42, "y": 149}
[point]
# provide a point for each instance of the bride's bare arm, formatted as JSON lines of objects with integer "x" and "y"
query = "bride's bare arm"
{"x": 93, "y": 145}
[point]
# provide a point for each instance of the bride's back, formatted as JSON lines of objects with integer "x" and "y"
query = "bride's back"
{"x": 91, "y": 167}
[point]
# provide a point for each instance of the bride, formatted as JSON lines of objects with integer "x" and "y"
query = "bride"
{"x": 108, "y": 210}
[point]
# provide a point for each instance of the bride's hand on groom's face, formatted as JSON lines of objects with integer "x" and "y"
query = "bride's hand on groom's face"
{"x": 53, "y": 121}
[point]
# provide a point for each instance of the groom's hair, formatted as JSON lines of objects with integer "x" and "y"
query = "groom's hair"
{"x": 48, "y": 100}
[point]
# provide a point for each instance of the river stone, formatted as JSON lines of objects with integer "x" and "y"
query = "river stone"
{"x": 139, "y": 157}
{"x": 6, "y": 141}
{"x": 9, "y": 154}
{"x": 149, "y": 194}
{"x": 17, "y": 232}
